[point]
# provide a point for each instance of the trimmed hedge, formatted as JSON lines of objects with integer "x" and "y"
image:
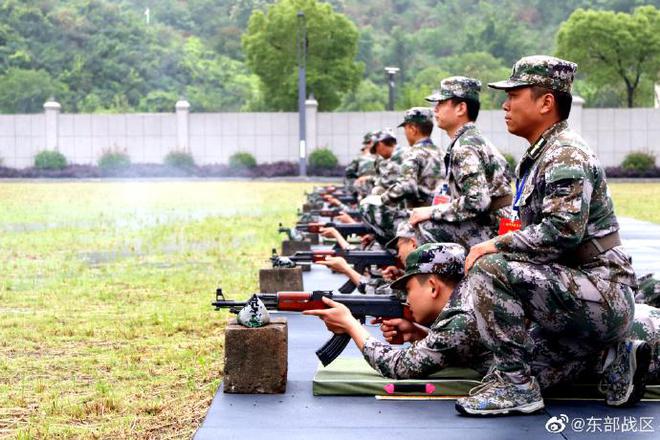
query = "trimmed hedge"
{"x": 275, "y": 169}
{"x": 49, "y": 160}
{"x": 242, "y": 159}
{"x": 180, "y": 159}
{"x": 114, "y": 161}
{"x": 639, "y": 161}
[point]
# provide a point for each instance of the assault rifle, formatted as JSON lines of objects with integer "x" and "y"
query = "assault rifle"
{"x": 361, "y": 260}
{"x": 345, "y": 229}
{"x": 330, "y": 212}
{"x": 361, "y": 306}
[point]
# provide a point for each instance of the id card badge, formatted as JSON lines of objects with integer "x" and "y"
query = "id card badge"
{"x": 513, "y": 224}
{"x": 441, "y": 195}
{"x": 508, "y": 225}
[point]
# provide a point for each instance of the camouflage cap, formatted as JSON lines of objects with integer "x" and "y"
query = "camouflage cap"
{"x": 368, "y": 138}
{"x": 540, "y": 70}
{"x": 382, "y": 135}
{"x": 418, "y": 115}
{"x": 404, "y": 230}
{"x": 444, "y": 259}
{"x": 456, "y": 87}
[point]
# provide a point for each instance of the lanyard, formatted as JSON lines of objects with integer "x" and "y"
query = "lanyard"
{"x": 520, "y": 185}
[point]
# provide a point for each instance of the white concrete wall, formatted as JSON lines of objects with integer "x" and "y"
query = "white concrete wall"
{"x": 270, "y": 137}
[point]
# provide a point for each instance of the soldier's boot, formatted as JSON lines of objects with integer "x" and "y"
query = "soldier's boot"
{"x": 624, "y": 379}
{"x": 497, "y": 396}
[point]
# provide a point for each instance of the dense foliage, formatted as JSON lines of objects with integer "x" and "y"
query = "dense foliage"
{"x": 111, "y": 56}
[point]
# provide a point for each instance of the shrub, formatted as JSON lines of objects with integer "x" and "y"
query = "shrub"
{"x": 50, "y": 160}
{"x": 322, "y": 158}
{"x": 638, "y": 161}
{"x": 242, "y": 159}
{"x": 114, "y": 159}
{"x": 511, "y": 161}
{"x": 180, "y": 159}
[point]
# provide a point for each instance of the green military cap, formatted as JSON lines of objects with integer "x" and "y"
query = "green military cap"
{"x": 380, "y": 136}
{"x": 443, "y": 259}
{"x": 540, "y": 70}
{"x": 456, "y": 87}
{"x": 418, "y": 115}
{"x": 368, "y": 138}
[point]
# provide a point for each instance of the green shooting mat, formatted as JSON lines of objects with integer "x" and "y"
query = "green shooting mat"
{"x": 355, "y": 377}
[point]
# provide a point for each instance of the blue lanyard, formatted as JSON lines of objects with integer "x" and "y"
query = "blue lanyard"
{"x": 520, "y": 185}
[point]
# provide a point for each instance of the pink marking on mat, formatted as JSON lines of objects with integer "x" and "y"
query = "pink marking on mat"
{"x": 430, "y": 388}
{"x": 389, "y": 389}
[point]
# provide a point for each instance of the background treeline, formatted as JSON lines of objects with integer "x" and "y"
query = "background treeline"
{"x": 102, "y": 56}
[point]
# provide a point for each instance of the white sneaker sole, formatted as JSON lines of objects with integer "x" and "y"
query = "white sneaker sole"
{"x": 528, "y": 408}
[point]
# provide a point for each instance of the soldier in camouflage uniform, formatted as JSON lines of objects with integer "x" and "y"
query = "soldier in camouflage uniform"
{"x": 360, "y": 165}
{"x": 438, "y": 299}
{"x": 564, "y": 270}
{"x": 383, "y": 218}
{"x": 478, "y": 183}
{"x": 421, "y": 166}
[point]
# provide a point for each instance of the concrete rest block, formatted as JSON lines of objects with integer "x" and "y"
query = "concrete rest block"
{"x": 290, "y": 247}
{"x": 256, "y": 359}
{"x": 312, "y": 237}
{"x": 307, "y": 207}
{"x": 280, "y": 279}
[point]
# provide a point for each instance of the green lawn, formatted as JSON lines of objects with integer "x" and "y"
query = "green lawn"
{"x": 106, "y": 328}
{"x": 105, "y": 289}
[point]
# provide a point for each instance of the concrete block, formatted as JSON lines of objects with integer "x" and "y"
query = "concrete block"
{"x": 312, "y": 238}
{"x": 280, "y": 279}
{"x": 290, "y": 247}
{"x": 256, "y": 359}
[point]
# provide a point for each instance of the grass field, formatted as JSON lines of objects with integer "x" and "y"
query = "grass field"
{"x": 106, "y": 328}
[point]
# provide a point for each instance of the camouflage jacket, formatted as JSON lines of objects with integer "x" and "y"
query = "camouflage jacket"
{"x": 564, "y": 202}
{"x": 476, "y": 173}
{"x": 351, "y": 171}
{"x": 421, "y": 171}
{"x": 397, "y": 155}
{"x": 453, "y": 340}
{"x": 387, "y": 171}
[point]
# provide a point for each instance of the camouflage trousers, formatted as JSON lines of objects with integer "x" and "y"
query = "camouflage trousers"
{"x": 466, "y": 233}
{"x": 646, "y": 327}
{"x": 572, "y": 320}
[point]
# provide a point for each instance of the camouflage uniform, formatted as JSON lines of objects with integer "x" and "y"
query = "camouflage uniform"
{"x": 362, "y": 165}
{"x": 577, "y": 306}
{"x": 477, "y": 175}
{"x": 421, "y": 167}
{"x": 384, "y": 218}
{"x": 453, "y": 338}
{"x": 646, "y": 327}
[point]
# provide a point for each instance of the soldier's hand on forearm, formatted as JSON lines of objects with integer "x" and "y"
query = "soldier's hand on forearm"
{"x": 345, "y": 218}
{"x": 365, "y": 240}
{"x": 390, "y": 273}
{"x": 420, "y": 215}
{"x": 338, "y": 320}
{"x": 329, "y": 232}
{"x": 397, "y": 328}
{"x": 479, "y": 250}
{"x": 338, "y": 264}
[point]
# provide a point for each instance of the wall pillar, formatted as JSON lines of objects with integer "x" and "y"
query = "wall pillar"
{"x": 51, "y": 113}
{"x": 311, "y": 112}
{"x": 575, "y": 118}
{"x": 182, "y": 125}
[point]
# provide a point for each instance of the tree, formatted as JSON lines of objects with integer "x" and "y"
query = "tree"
{"x": 613, "y": 47}
{"x": 484, "y": 67}
{"x": 269, "y": 45}
{"x": 367, "y": 97}
{"x": 26, "y": 91}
